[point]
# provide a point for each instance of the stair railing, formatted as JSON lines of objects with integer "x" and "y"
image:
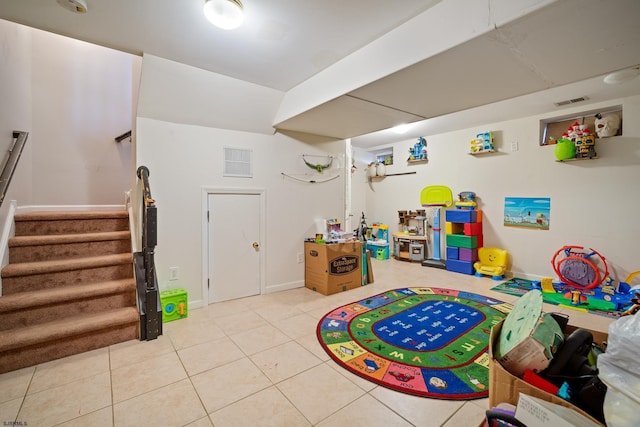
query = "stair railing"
{"x": 146, "y": 280}
{"x": 11, "y": 161}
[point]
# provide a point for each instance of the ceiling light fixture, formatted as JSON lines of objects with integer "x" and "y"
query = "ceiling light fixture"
{"x": 225, "y": 14}
{"x": 622, "y": 76}
{"x": 75, "y": 6}
{"x": 400, "y": 129}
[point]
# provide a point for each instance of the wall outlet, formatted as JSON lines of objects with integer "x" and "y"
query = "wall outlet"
{"x": 174, "y": 273}
{"x": 514, "y": 146}
{"x": 300, "y": 257}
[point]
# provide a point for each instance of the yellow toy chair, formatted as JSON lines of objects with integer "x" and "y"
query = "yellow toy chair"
{"x": 492, "y": 262}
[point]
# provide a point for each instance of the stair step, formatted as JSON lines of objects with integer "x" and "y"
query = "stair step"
{"x": 37, "y": 307}
{"x": 65, "y": 246}
{"x": 66, "y": 222}
{"x": 74, "y": 215}
{"x": 60, "y": 329}
{"x": 68, "y": 287}
{"x": 32, "y": 276}
{"x": 55, "y": 266}
{"x": 58, "y": 239}
{"x": 41, "y": 343}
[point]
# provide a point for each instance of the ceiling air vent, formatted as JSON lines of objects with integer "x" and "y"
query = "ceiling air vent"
{"x": 571, "y": 101}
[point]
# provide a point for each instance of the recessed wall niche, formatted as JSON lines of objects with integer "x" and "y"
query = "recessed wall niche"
{"x": 384, "y": 155}
{"x": 551, "y": 129}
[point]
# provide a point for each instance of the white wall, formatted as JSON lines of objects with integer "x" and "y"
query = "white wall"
{"x": 184, "y": 159}
{"x": 80, "y": 101}
{"x": 593, "y": 203}
{"x": 15, "y": 92}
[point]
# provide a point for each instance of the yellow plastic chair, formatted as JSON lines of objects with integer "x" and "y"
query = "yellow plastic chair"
{"x": 491, "y": 262}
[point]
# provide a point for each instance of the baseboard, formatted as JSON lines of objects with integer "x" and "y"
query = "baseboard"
{"x": 284, "y": 286}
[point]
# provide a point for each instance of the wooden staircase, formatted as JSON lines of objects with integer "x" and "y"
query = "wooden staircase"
{"x": 68, "y": 287}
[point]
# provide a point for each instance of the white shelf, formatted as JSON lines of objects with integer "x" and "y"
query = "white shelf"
{"x": 477, "y": 153}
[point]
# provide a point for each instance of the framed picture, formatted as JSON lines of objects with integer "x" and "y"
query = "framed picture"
{"x": 527, "y": 212}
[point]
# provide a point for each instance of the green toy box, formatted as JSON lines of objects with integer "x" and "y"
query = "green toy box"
{"x": 175, "y": 304}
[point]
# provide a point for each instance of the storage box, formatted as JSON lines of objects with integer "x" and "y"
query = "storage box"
{"x": 505, "y": 387}
{"x": 175, "y": 304}
{"x": 534, "y": 412}
{"x": 333, "y": 268}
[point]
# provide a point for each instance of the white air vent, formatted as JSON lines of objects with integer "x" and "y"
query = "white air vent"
{"x": 571, "y": 101}
{"x": 238, "y": 162}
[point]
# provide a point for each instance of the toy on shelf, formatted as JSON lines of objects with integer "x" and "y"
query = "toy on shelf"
{"x": 565, "y": 149}
{"x": 607, "y": 125}
{"x": 419, "y": 151}
{"x": 466, "y": 200}
{"x": 491, "y": 262}
{"x": 583, "y": 141}
{"x": 482, "y": 143}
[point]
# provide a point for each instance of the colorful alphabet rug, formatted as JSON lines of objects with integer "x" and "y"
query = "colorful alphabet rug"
{"x": 429, "y": 342}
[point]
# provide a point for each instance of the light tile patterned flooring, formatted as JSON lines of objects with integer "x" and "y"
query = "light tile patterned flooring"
{"x": 249, "y": 362}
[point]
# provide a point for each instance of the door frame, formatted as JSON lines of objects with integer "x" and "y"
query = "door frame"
{"x": 206, "y": 191}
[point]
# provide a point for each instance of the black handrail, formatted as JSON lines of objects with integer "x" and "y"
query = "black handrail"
{"x": 151, "y": 309}
{"x": 124, "y": 136}
{"x": 10, "y": 164}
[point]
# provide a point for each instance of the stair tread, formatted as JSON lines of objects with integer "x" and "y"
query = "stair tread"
{"x": 53, "y": 239}
{"x": 56, "y": 330}
{"x": 66, "y": 215}
{"x": 40, "y": 267}
{"x": 31, "y": 299}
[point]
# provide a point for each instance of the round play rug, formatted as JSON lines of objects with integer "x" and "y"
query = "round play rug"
{"x": 429, "y": 342}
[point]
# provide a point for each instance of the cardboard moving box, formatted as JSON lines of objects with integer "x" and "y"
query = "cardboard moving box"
{"x": 505, "y": 387}
{"x": 332, "y": 268}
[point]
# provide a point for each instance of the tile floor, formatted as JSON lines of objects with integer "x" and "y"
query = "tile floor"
{"x": 248, "y": 362}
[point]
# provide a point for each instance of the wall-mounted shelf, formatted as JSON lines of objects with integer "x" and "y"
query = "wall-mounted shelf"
{"x": 579, "y": 158}
{"x": 418, "y": 161}
{"x": 477, "y": 153}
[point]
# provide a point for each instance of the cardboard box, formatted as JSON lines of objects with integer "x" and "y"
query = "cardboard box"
{"x": 534, "y": 412}
{"x": 333, "y": 268}
{"x": 505, "y": 387}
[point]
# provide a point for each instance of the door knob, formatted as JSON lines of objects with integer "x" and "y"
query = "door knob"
{"x": 256, "y": 245}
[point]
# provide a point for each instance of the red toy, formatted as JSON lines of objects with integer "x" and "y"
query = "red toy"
{"x": 574, "y": 267}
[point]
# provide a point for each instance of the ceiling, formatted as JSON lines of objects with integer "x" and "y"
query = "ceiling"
{"x": 557, "y": 50}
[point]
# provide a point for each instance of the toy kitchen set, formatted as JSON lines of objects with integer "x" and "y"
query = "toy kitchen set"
{"x": 410, "y": 242}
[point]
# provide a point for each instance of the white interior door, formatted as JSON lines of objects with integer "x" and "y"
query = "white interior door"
{"x": 234, "y": 246}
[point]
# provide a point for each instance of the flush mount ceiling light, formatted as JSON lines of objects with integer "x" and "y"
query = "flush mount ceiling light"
{"x": 400, "y": 129}
{"x": 76, "y": 6}
{"x": 622, "y": 76}
{"x": 225, "y": 14}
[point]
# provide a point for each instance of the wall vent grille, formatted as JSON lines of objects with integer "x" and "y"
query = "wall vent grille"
{"x": 571, "y": 101}
{"x": 238, "y": 162}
